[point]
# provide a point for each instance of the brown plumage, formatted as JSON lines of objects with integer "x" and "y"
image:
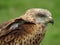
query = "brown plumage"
{"x": 28, "y": 29}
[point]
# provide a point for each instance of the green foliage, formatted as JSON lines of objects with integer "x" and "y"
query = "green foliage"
{"x": 13, "y": 8}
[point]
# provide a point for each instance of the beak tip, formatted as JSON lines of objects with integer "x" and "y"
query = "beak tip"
{"x": 51, "y": 21}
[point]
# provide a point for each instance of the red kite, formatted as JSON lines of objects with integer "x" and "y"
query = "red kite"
{"x": 28, "y": 29}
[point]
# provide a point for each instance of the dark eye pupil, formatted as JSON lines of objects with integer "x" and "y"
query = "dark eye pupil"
{"x": 41, "y": 15}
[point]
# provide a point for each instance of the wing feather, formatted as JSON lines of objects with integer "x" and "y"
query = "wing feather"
{"x": 7, "y": 27}
{"x": 10, "y": 33}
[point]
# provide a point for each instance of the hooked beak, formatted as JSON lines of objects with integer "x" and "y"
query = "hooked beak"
{"x": 51, "y": 21}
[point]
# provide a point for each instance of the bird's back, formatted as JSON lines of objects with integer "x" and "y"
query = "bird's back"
{"x": 26, "y": 34}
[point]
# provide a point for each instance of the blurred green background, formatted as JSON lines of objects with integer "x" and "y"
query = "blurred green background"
{"x": 10, "y": 9}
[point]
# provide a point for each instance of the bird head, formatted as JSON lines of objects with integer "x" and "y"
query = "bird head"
{"x": 42, "y": 16}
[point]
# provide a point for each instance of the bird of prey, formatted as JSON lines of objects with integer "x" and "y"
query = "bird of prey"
{"x": 28, "y": 29}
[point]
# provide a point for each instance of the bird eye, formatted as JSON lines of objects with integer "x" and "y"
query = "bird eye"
{"x": 41, "y": 15}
